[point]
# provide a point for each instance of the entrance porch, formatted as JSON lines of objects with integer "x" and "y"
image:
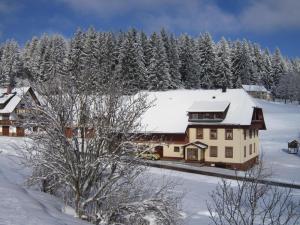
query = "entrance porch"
{"x": 194, "y": 151}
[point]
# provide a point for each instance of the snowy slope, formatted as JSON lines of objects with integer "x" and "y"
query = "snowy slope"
{"x": 20, "y": 205}
{"x": 283, "y": 125}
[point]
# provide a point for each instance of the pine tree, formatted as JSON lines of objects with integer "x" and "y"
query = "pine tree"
{"x": 146, "y": 46}
{"x": 9, "y": 63}
{"x": 131, "y": 68}
{"x": 242, "y": 64}
{"x": 89, "y": 70}
{"x": 223, "y": 76}
{"x": 174, "y": 63}
{"x": 267, "y": 75}
{"x": 75, "y": 61}
{"x": 278, "y": 67}
{"x": 189, "y": 67}
{"x": 207, "y": 57}
{"x": 158, "y": 71}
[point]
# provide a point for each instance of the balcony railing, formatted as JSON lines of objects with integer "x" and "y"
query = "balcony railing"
{"x": 6, "y": 122}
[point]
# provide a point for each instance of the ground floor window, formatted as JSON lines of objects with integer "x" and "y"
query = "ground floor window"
{"x": 213, "y": 151}
{"x": 228, "y": 152}
{"x": 176, "y": 149}
{"x": 250, "y": 149}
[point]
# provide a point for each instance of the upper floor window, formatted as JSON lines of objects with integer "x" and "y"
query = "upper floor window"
{"x": 245, "y": 134}
{"x": 213, "y": 134}
{"x": 228, "y": 152}
{"x": 250, "y": 149}
{"x": 213, "y": 151}
{"x": 250, "y": 133}
{"x": 5, "y": 117}
{"x": 254, "y": 147}
{"x": 194, "y": 116}
{"x": 199, "y": 133}
{"x": 228, "y": 134}
{"x": 176, "y": 149}
{"x": 245, "y": 151}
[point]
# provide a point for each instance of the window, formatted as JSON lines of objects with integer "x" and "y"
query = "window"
{"x": 213, "y": 151}
{"x": 194, "y": 116}
{"x": 213, "y": 134}
{"x": 176, "y": 149}
{"x": 5, "y": 117}
{"x": 250, "y": 133}
{"x": 254, "y": 147}
{"x": 219, "y": 115}
{"x": 245, "y": 151}
{"x": 250, "y": 149}
{"x": 228, "y": 134}
{"x": 199, "y": 133}
{"x": 228, "y": 152}
{"x": 245, "y": 134}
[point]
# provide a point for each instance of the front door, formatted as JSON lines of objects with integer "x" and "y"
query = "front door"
{"x": 159, "y": 150}
{"x": 20, "y": 132}
{"x": 192, "y": 154}
{"x": 202, "y": 155}
{"x": 5, "y": 130}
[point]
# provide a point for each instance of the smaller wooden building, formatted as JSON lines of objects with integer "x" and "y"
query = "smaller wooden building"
{"x": 14, "y": 103}
{"x": 293, "y": 147}
{"x": 258, "y": 91}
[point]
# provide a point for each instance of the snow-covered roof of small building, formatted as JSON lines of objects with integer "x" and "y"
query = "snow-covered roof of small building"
{"x": 17, "y": 93}
{"x": 5, "y": 97}
{"x": 169, "y": 113}
{"x": 208, "y": 106}
{"x": 257, "y": 88}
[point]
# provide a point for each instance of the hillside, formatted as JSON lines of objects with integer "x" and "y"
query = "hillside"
{"x": 19, "y": 204}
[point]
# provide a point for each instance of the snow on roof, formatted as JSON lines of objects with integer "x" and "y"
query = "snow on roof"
{"x": 209, "y": 106}
{"x": 169, "y": 113}
{"x": 259, "y": 88}
{"x": 15, "y": 100}
{"x": 5, "y": 97}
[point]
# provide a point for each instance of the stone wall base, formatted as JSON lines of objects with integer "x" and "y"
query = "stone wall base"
{"x": 236, "y": 166}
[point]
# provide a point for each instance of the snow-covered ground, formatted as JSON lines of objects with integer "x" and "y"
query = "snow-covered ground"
{"x": 283, "y": 125}
{"x": 20, "y": 205}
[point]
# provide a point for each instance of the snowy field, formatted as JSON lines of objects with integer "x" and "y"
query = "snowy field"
{"x": 283, "y": 125}
{"x": 20, "y": 205}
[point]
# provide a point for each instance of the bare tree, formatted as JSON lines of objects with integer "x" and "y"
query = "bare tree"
{"x": 248, "y": 202}
{"x": 86, "y": 150}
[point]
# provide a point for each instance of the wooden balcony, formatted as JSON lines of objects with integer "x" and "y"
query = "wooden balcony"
{"x": 6, "y": 122}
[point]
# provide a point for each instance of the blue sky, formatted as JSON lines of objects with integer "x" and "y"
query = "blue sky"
{"x": 271, "y": 23}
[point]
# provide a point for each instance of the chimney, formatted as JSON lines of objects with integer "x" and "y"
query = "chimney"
{"x": 8, "y": 90}
{"x": 224, "y": 89}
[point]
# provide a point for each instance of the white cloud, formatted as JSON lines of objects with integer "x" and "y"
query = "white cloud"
{"x": 271, "y": 15}
{"x": 197, "y": 15}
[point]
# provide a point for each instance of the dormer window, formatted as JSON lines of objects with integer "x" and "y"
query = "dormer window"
{"x": 212, "y": 111}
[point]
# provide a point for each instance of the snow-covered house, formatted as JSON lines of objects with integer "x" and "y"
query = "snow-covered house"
{"x": 14, "y": 103}
{"x": 258, "y": 91}
{"x": 213, "y": 127}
